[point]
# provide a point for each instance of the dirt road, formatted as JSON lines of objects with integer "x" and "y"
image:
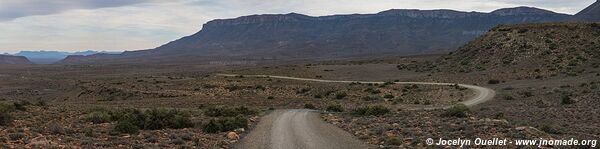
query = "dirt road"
{"x": 298, "y": 129}
{"x": 304, "y": 129}
{"x": 482, "y": 94}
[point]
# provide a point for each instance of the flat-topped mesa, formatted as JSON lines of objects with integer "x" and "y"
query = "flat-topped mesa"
{"x": 411, "y": 13}
{"x": 297, "y": 36}
{"x": 13, "y": 60}
{"x": 440, "y": 13}
{"x": 257, "y": 19}
{"x": 522, "y": 11}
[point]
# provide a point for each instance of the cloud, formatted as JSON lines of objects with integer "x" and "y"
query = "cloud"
{"x": 12, "y": 9}
{"x": 117, "y": 25}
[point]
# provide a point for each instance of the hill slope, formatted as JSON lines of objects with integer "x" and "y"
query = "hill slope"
{"x": 296, "y": 36}
{"x": 13, "y": 60}
{"x": 591, "y": 13}
{"x": 534, "y": 50}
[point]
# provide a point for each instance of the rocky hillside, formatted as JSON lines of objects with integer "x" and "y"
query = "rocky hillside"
{"x": 297, "y": 36}
{"x": 591, "y": 13}
{"x": 13, "y": 60}
{"x": 537, "y": 50}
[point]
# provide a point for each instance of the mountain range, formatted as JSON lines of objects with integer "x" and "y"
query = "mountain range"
{"x": 296, "y": 36}
{"x": 48, "y": 57}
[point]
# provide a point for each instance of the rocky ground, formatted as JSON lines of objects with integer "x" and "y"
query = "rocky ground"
{"x": 56, "y": 102}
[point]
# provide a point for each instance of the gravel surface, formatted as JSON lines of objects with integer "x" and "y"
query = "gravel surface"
{"x": 298, "y": 129}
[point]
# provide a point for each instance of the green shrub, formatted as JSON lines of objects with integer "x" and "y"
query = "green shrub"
{"x": 5, "y": 114}
{"x": 232, "y": 123}
{"x": 508, "y": 97}
{"x": 566, "y": 99}
{"x": 375, "y": 110}
{"x": 224, "y": 124}
{"x": 41, "y": 103}
{"x": 160, "y": 119}
{"x": 21, "y": 105}
{"x": 229, "y": 111}
{"x": 5, "y": 118}
{"x": 126, "y": 127}
{"x": 318, "y": 96}
{"x": 388, "y": 96}
{"x": 493, "y": 81}
{"x": 98, "y": 117}
{"x": 309, "y": 106}
{"x": 340, "y": 95}
{"x": 459, "y": 110}
{"x": 523, "y": 30}
{"x": 212, "y": 126}
{"x": 152, "y": 119}
{"x": 549, "y": 129}
{"x": 335, "y": 108}
{"x": 303, "y": 90}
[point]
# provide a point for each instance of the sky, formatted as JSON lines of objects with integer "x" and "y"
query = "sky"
{"x": 119, "y": 25}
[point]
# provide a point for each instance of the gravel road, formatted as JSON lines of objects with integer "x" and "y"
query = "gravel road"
{"x": 304, "y": 129}
{"x": 298, "y": 129}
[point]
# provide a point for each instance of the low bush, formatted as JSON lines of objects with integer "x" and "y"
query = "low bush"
{"x": 21, "y": 105}
{"x": 388, "y": 96}
{"x": 98, "y": 117}
{"x": 5, "y": 119}
{"x": 508, "y": 97}
{"x": 549, "y": 129}
{"x": 224, "y": 124}
{"x": 335, "y": 108}
{"x": 523, "y": 30}
{"x": 340, "y": 95}
{"x": 309, "y": 106}
{"x": 126, "y": 127}
{"x": 459, "y": 110}
{"x": 55, "y": 128}
{"x": 375, "y": 110}
{"x": 5, "y": 114}
{"x": 566, "y": 99}
{"x": 493, "y": 81}
{"x": 160, "y": 119}
{"x": 129, "y": 120}
{"x": 41, "y": 103}
{"x": 227, "y": 111}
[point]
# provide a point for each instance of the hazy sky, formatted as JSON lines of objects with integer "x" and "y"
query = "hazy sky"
{"x": 117, "y": 25}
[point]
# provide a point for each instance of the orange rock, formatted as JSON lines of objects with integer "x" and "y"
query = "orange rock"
{"x": 391, "y": 134}
{"x": 232, "y": 136}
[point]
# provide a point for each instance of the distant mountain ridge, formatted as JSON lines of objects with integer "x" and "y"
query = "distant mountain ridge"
{"x": 297, "y": 36}
{"x": 48, "y": 57}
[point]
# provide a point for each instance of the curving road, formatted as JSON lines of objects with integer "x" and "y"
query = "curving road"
{"x": 304, "y": 129}
{"x": 482, "y": 94}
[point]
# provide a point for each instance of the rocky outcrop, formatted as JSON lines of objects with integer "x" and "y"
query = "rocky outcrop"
{"x": 537, "y": 50}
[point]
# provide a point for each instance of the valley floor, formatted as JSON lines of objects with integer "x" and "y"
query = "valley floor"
{"x": 114, "y": 106}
